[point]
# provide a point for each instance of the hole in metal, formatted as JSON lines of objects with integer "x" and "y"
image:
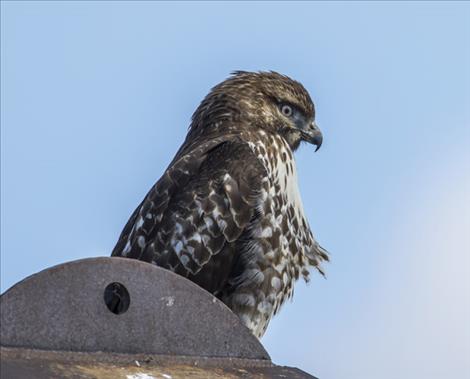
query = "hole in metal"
{"x": 116, "y": 298}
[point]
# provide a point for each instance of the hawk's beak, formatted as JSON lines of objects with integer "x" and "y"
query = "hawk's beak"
{"x": 312, "y": 134}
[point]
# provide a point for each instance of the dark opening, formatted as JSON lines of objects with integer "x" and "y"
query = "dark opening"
{"x": 116, "y": 298}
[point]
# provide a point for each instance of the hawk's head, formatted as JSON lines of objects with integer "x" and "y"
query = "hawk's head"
{"x": 266, "y": 100}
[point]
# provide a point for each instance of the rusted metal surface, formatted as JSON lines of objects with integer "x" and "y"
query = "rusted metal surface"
{"x": 63, "y": 308}
{"x": 23, "y": 363}
{"x": 112, "y": 318}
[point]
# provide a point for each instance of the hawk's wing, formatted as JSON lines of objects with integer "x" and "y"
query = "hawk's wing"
{"x": 203, "y": 202}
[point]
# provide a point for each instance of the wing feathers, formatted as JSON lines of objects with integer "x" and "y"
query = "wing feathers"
{"x": 204, "y": 201}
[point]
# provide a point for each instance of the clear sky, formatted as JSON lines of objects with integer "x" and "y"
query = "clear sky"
{"x": 96, "y": 98}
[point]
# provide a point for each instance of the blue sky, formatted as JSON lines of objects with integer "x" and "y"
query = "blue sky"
{"x": 96, "y": 98}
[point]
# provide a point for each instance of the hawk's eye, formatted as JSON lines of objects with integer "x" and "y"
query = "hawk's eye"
{"x": 286, "y": 110}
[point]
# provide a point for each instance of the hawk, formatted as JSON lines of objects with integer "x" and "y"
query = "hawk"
{"x": 227, "y": 212}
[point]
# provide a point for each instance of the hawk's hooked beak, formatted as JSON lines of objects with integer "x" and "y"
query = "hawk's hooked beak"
{"x": 312, "y": 134}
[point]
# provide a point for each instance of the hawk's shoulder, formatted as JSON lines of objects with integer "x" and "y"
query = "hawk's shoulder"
{"x": 203, "y": 202}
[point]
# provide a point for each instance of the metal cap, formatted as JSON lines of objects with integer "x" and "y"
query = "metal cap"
{"x": 121, "y": 305}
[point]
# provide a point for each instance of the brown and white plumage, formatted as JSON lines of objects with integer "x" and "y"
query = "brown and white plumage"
{"x": 227, "y": 212}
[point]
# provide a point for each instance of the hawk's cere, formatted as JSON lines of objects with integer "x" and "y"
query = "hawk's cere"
{"x": 227, "y": 212}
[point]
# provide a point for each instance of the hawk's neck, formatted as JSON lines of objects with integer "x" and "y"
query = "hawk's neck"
{"x": 278, "y": 159}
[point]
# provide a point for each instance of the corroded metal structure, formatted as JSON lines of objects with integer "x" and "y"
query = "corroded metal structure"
{"x": 122, "y": 318}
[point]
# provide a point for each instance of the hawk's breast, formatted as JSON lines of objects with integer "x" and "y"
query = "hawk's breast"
{"x": 282, "y": 205}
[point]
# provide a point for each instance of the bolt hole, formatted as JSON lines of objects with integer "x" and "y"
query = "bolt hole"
{"x": 116, "y": 298}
